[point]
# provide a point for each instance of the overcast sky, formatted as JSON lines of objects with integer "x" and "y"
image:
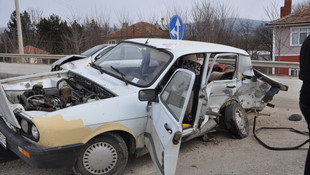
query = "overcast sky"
{"x": 136, "y": 9}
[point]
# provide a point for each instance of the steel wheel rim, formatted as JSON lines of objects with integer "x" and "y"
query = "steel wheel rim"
{"x": 240, "y": 120}
{"x": 100, "y": 158}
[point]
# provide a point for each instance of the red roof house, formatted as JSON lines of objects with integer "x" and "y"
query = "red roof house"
{"x": 289, "y": 32}
{"x": 32, "y": 50}
{"x": 138, "y": 30}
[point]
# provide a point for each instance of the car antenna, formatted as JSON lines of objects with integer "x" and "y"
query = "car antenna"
{"x": 147, "y": 41}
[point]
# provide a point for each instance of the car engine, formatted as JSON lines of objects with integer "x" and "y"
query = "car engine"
{"x": 68, "y": 92}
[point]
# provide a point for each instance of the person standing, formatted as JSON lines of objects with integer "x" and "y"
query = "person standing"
{"x": 304, "y": 98}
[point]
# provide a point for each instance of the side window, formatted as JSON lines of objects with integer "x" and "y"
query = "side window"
{"x": 225, "y": 67}
{"x": 192, "y": 62}
{"x": 173, "y": 96}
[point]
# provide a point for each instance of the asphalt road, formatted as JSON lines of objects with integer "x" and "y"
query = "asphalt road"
{"x": 9, "y": 69}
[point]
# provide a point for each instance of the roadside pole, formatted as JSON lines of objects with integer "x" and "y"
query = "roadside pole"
{"x": 19, "y": 31}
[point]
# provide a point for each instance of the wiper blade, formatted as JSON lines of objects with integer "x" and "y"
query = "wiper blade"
{"x": 96, "y": 67}
{"x": 121, "y": 73}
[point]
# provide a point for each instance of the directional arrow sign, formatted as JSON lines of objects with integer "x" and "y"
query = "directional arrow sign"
{"x": 176, "y": 28}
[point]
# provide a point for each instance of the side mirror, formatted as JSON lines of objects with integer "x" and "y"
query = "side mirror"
{"x": 253, "y": 78}
{"x": 247, "y": 76}
{"x": 148, "y": 95}
{"x": 97, "y": 57}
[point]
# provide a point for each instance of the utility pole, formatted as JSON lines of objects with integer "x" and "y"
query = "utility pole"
{"x": 19, "y": 30}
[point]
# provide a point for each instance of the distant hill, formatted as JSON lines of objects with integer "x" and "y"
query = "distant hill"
{"x": 253, "y": 24}
{"x": 237, "y": 24}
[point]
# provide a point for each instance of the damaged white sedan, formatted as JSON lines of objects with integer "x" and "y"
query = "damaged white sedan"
{"x": 145, "y": 95}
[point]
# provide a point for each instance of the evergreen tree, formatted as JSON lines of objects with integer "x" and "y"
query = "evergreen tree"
{"x": 51, "y": 32}
{"x": 28, "y": 31}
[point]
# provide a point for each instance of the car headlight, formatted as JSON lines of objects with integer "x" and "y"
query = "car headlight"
{"x": 35, "y": 132}
{"x": 28, "y": 128}
{"x": 24, "y": 125}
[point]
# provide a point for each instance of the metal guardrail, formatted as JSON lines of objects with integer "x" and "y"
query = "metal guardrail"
{"x": 41, "y": 58}
{"x": 277, "y": 64}
{"x": 268, "y": 64}
{"x": 255, "y": 63}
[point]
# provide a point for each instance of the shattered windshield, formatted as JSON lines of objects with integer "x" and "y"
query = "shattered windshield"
{"x": 134, "y": 63}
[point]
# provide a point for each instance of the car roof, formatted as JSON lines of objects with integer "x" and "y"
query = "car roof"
{"x": 183, "y": 47}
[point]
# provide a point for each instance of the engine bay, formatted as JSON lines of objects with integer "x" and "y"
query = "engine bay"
{"x": 69, "y": 91}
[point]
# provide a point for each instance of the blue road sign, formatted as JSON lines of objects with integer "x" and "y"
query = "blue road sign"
{"x": 176, "y": 28}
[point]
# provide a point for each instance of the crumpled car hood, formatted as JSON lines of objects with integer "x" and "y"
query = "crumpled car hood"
{"x": 110, "y": 83}
{"x": 76, "y": 64}
{"x": 67, "y": 59}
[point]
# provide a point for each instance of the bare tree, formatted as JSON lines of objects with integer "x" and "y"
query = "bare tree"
{"x": 301, "y": 5}
{"x": 170, "y": 11}
{"x": 103, "y": 20}
{"x": 211, "y": 22}
{"x": 263, "y": 39}
{"x": 246, "y": 31}
{"x": 279, "y": 36}
{"x": 151, "y": 18}
{"x": 272, "y": 10}
{"x": 35, "y": 15}
{"x": 124, "y": 19}
{"x": 73, "y": 39}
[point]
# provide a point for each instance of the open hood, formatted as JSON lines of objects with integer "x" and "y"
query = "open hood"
{"x": 6, "y": 109}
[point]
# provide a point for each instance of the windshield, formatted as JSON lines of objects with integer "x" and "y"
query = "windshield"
{"x": 134, "y": 63}
{"x": 92, "y": 50}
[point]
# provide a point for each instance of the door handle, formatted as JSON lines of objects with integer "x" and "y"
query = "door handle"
{"x": 167, "y": 128}
{"x": 230, "y": 86}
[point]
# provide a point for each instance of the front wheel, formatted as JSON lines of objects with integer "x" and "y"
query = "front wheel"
{"x": 106, "y": 154}
{"x": 237, "y": 121}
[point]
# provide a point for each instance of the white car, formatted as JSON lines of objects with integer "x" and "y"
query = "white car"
{"x": 145, "y": 95}
{"x": 83, "y": 60}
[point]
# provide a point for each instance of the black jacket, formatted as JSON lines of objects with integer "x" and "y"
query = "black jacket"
{"x": 304, "y": 73}
{"x": 304, "y": 60}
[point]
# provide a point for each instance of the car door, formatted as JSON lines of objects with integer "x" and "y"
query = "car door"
{"x": 222, "y": 85}
{"x": 164, "y": 127}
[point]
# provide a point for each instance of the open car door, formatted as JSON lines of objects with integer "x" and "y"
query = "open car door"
{"x": 164, "y": 128}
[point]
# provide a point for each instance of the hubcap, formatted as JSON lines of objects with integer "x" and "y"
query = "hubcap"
{"x": 240, "y": 120}
{"x": 100, "y": 158}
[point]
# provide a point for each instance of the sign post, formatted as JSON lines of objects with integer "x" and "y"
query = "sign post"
{"x": 176, "y": 28}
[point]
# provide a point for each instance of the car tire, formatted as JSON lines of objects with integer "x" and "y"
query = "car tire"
{"x": 93, "y": 157}
{"x": 237, "y": 121}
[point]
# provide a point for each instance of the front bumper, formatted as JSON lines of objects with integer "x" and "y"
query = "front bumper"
{"x": 40, "y": 157}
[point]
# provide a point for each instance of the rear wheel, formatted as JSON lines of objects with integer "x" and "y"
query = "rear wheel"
{"x": 106, "y": 154}
{"x": 237, "y": 121}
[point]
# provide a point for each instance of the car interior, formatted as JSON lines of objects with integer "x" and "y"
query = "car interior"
{"x": 223, "y": 69}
